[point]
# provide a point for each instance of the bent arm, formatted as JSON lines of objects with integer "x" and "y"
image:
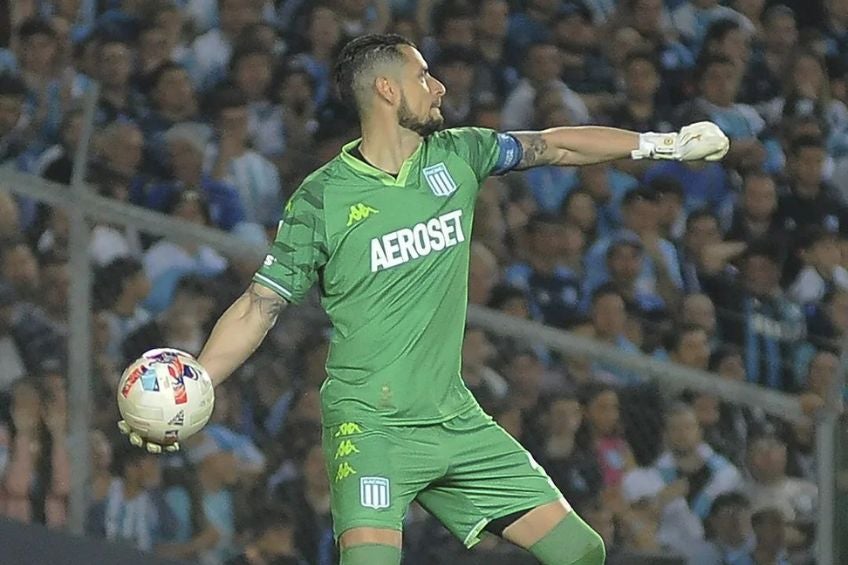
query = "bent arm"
{"x": 239, "y": 331}
{"x": 582, "y": 145}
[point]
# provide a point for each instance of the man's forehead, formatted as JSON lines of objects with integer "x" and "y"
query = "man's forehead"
{"x": 413, "y": 57}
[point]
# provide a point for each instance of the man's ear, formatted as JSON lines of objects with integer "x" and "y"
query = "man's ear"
{"x": 386, "y": 89}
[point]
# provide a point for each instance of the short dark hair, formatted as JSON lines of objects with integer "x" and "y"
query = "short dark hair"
{"x": 36, "y": 26}
{"x": 10, "y": 85}
{"x": 719, "y": 29}
{"x": 159, "y": 72}
{"x": 805, "y": 142}
{"x": 674, "y": 338}
{"x": 604, "y": 290}
{"x": 641, "y": 55}
{"x": 708, "y": 61}
{"x": 361, "y": 55}
{"x": 225, "y": 97}
{"x": 699, "y": 214}
{"x": 110, "y": 280}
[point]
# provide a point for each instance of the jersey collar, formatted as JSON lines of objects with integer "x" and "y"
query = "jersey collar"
{"x": 362, "y": 167}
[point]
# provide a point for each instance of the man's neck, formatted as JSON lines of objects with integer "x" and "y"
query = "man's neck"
{"x": 386, "y": 147}
{"x": 641, "y": 108}
{"x": 177, "y": 115}
{"x": 765, "y": 555}
{"x": 117, "y": 95}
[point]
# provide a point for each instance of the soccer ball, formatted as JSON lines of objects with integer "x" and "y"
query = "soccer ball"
{"x": 165, "y": 396}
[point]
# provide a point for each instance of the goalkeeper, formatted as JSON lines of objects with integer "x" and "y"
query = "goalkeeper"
{"x": 384, "y": 230}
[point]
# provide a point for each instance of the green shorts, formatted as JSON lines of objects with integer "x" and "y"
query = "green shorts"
{"x": 466, "y": 471}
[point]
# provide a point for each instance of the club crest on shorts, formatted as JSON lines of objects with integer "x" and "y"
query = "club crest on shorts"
{"x": 439, "y": 179}
{"x": 374, "y": 492}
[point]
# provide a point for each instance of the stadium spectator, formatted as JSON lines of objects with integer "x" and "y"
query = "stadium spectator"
{"x": 698, "y": 310}
{"x": 770, "y": 532}
{"x": 780, "y": 37}
{"x": 231, "y": 160}
{"x": 728, "y": 531}
{"x": 272, "y": 540}
{"x": 553, "y": 290}
{"x": 755, "y": 213}
{"x": 706, "y": 473}
{"x": 541, "y": 67}
{"x": 809, "y": 201}
{"x": 186, "y": 144}
{"x": 133, "y": 511}
{"x": 482, "y": 274}
{"x": 770, "y": 326}
{"x": 182, "y": 324}
{"x": 36, "y": 475}
{"x": 172, "y": 101}
{"x": 19, "y": 267}
{"x": 688, "y": 345}
{"x": 821, "y": 272}
{"x": 608, "y": 316}
{"x": 769, "y": 486}
{"x": 118, "y": 99}
{"x": 308, "y": 496}
{"x": 122, "y": 287}
{"x": 488, "y": 386}
{"x": 692, "y": 20}
{"x": 211, "y": 51}
{"x": 573, "y": 468}
{"x": 659, "y": 271}
{"x": 493, "y": 72}
{"x": 649, "y": 20}
{"x": 251, "y": 67}
{"x": 204, "y": 512}
{"x": 601, "y": 433}
{"x": 323, "y": 34}
{"x": 14, "y": 121}
{"x": 640, "y": 109}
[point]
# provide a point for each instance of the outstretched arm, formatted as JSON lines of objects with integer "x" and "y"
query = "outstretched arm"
{"x": 586, "y": 145}
{"x": 239, "y": 331}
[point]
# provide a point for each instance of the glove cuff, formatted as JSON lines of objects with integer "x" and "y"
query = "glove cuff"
{"x": 655, "y": 146}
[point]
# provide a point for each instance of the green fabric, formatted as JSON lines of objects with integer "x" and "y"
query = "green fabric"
{"x": 371, "y": 554}
{"x": 391, "y": 258}
{"x": 464, "y": 471}
{"x": 571, "y": 542}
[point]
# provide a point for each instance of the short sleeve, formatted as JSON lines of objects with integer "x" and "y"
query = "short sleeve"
{"x": 299, "y": 250}
{"x": 486, "y": 151}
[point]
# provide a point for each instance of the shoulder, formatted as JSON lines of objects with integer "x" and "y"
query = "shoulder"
{"x": 461, "y": 135}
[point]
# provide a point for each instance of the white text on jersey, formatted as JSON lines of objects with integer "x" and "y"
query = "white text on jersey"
{"x": 400, "y": 246}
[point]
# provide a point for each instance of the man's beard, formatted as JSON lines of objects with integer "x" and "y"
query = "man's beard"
{"x": 410, "y": 121}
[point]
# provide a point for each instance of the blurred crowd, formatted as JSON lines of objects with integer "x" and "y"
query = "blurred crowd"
{"x": 212, "y": 112}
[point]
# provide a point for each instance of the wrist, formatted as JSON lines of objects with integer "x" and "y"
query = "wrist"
{"x": 655, "y": 146}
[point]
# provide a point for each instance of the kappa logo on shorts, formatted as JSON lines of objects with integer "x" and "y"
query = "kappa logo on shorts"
{"x": 374, "y": 492}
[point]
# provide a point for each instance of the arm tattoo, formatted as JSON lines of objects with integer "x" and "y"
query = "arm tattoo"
{"x": 535, "y": 148}
{"x": 269, "y": 307}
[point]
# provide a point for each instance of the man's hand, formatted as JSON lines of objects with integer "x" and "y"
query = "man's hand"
{"x": 702, "y": 140}
{"x": 150, "y": 446}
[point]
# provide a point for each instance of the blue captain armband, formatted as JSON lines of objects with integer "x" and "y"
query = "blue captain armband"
{"x": 510, "y": 153}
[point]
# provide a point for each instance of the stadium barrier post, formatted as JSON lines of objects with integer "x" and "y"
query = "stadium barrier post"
{"x": 79, "y": 322}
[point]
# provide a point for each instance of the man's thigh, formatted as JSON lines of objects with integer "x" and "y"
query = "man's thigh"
{"x": 375, "y": 472}
{"x": 490, "y": 476}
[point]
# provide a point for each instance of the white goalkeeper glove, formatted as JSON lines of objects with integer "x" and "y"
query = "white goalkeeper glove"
{"x": 702, "y": 140}
{"x": 139, "y": 441}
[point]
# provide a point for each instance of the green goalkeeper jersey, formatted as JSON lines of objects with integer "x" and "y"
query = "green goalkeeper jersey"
{"x": 390, "y": 256}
